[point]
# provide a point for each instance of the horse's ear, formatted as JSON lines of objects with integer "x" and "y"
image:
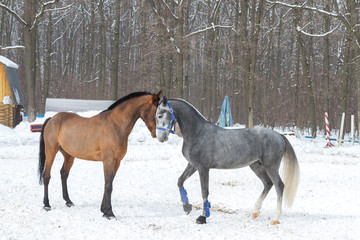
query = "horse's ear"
{"x": 163, "y": 101}
{"x": 156, "y": 98}
{"x": 159, "y": 94}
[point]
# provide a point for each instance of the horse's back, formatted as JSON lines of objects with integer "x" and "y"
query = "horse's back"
{"x": 235, "y": 148}
{"x": 65, "y": 123}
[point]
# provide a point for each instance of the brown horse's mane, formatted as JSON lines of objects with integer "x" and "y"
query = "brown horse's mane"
{"x": 123, "y": 99}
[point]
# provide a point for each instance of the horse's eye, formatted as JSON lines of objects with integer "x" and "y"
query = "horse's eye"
{"x": 160, "y": 116}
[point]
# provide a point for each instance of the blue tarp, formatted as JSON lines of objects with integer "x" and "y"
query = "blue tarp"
{"x": 225, "y": 119}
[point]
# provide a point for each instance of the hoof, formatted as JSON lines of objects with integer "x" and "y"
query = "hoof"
{"x": 255, "y": 215}
{"x": 201, "y": 220}
{"x": 109, "y": 217}
{"x": 69, "y": 204}
{"x": 47, "y": 208}
{"x": 274, "y": 222}
{"x": 187, "y": 208}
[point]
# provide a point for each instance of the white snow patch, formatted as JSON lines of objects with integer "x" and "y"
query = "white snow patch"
{"x": 146, "y": 199}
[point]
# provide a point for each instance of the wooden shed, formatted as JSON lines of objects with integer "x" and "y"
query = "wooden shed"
{"x": 11, "y": 98}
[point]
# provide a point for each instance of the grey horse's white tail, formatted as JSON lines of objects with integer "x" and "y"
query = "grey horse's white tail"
{"x": 290, "y": 172}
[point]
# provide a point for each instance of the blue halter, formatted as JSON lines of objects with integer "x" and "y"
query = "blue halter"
{"x": 171, "y": 127}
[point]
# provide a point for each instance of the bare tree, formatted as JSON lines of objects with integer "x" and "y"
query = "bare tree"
{"x": 32, "y": 15}
{"x": 260, "y": 53}
{"x": 47, "y": 73}
{"x": 115, "y": 53}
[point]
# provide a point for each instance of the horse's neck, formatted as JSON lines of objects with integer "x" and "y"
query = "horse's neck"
{"x": 190, "y": 121}
{"x": 126, "y": 114}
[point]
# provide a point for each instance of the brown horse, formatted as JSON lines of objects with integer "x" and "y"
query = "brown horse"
{"x": 103, "y": 137}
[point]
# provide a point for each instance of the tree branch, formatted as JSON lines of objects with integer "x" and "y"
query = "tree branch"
{"x": 42, "y": 11}
{"x": 337, "y": 14}
{"x": 11, "y": 48}
{"x": 213, "y": 27}
{"x": 163, "y": 26}
{"x": 321, "y": 11}
{"x": 168, "y": 8}
{"x": 317, "y": 35}
{"x": 215, "y": 10}
{"x": 12, "y": 12}
{"x": 59, "y": 9}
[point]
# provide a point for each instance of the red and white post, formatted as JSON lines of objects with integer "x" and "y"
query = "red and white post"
{"x": 329, "y": 144}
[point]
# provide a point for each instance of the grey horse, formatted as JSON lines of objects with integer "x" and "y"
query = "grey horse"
{"x": 206, "y": 146}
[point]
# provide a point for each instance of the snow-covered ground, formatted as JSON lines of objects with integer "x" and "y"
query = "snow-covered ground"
{"x": 147, "y": 203}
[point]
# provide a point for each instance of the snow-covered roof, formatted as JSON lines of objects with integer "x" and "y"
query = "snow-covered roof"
{"x": 8, "y": 62}
{"x": 76, "y": 105}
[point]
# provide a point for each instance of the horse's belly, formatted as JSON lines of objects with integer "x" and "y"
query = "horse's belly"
{"x": 231, "y": 164}
{"x": 233, "y": 155}
{"x": 78, "y": 152}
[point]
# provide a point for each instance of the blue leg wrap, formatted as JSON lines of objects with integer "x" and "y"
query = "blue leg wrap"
{"x": 207, "y": 207}
{"x": 183, "y": 195}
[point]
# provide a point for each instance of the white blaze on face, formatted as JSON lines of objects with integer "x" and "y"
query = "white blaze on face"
{"x": 162, "y": 121}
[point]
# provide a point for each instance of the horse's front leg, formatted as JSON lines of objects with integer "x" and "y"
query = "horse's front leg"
{"x": 110, "y": 169}
{"x": 204, "y": 180}
{"x": 189, "y": 170}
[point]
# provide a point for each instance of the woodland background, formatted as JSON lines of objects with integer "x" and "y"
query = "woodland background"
{"x": 281, "y": 63}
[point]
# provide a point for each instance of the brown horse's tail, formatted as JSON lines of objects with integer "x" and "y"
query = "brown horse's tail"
{"x": 42, "y": 154}
{"x": 291, "y": 173}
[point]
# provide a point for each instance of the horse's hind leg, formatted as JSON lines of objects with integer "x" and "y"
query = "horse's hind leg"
{"x": 189, "y": 170}
{"x": 50, "y": 155}
{"x": 279, "y": 187}
{"x": 64, "y": 172}
{"x": 259, "y": 170}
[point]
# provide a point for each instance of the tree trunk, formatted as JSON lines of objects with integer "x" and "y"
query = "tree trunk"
{"x": 355, "y": 18}
{"x": 268, "y": 71}
{"x": 306, "y": 74}
{"x": 215, "y": 78}
{"x": 90, "y": 55}
{"x": 47, "y": 70}
{"x": 206, "y": 95}
{"x": 179, "y": 34}
{"x": 30, "y": 57}
{"x": 82, "y": 58}
{"x": 253, "y": 54}
{"x": 161, "y": 68}
{"x": 168, "y": 73}
{"x": 115, "y": 53}
{"x": 102, "y": 51}
{"x": 326, "y": 64}
{"x": 349, "y": 56}
{"x": 2, "y": 29}
{"x": 244, "y": 51}
{"x": 277, "y": 74}
{"x": 235, "y": 97}
{"x": 346, "y": 73}
{"x": 186, "y": 54}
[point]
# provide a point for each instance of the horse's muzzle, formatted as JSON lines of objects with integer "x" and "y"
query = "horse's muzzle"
{"x": 162, "y": 138}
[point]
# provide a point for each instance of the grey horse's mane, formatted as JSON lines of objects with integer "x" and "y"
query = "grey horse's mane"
{"x": 177, "y": 127}
{"x": 180, "y": 99}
